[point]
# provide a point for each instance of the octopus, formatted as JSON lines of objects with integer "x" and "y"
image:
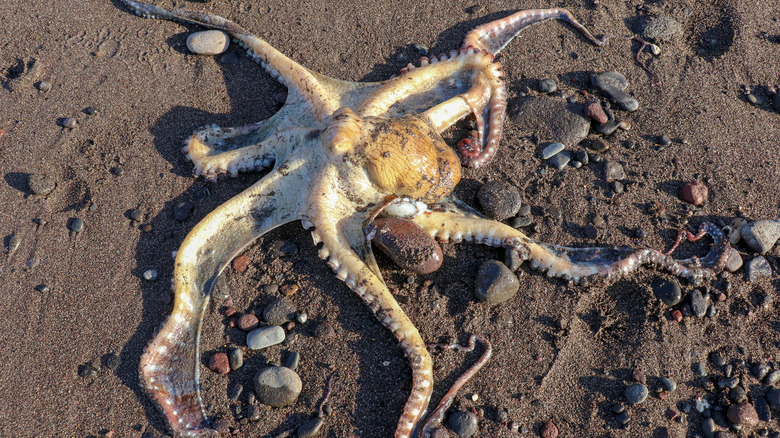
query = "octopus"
{"x": 353, "y": 160}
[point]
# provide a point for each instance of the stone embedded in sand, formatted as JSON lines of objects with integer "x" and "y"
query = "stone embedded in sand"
{"x": 549, "y": 430}
{"x": 694, "y": 193}
{"x": 613, "y": 171}
{"x": 499, "y": 199}
{"x": 208, "y": 42}
{"x": 761, "y": 236}
{"x": 240, "y": 263}
{"x": 219, "y": 363}
{"x": 495, "y": 283}
{"x": 743, "y": 414}
{"x": 636, "y": 393}
{"x": 613, "y": 85}
{"x": 277, "y": 386}
{"x": 758, "y": 269}
{"x": 667, "y": 291}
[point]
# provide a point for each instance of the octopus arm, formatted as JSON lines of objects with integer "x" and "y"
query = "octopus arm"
{"x": 341, "y": 231}
{"x": 449, "y": 221}
{"x": 170, "y": 365}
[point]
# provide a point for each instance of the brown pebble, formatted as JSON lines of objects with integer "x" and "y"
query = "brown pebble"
{"x": 694, "y": 193}
{"x": 2, "y": 132}
{"x": 289, "y": 325}
{"x": 677, "y": 315}
{"x": 240, "y": 263}
{"x": 721, "y": 297}
{"x": 743, "y": 414}
{"x": 639, "y": 376}
{"x": 230, "y": 311}
{"x": 233, "y": 322}
{"x": 659, "y": 208}
{"x": 598, "y": 146}
{"x": 247, "y": 322}
{"x": 663, "y": 395}
{"x": 289, "y": 289}
{"x": 549, "y": 430}
{"x": 146, "y": 228}
{"x": 69, "y": 123}
{"x": 219, "y": 363}
{"x": 596, "y": 112}
{"x": 324, "y": 331}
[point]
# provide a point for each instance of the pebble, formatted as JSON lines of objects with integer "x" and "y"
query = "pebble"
{"x": 495, "y": 283}
{"x": 253, "y": 413}
{"x": 324, "y": 330}
{"x": 76, "y": 225}
{"x": 598, "y": 146}
{"x": 550, "y": 150}
{"x": 289, "y": 290}
{"x": 499, "y": 199}
{"x": 553, "y": 120}
{"x": 547, "y": 86}
{"x": 762, "y": 235}
{"x": 235, "y": 392}
{"x": 560, "y": 160}
{"x": 310, "y": 428}
{"x": 660, "y": 27}
{"x": 279, "y": 311}
{"x": 667, "y": 291}
{"x": 613, "y": 171}
{"x": 248, "y": 322}
{"x": 591, "y": 232}
{"x": 90, "y": 111}
{"x": 549, "y": 430}
{"x": 613, "y": 85}
{"x": 277, "y": 386}
{"x": 69, "y": 123}
{"x": 240, "y": 263}
{"x": 14, "y": 240}
{"x": 264, "y": 337}
{"x": 182, "y": 210}
{"x": 111, "y": 361}
{"x": 734, "y": 260}
{"x": 607, "y": 128}
{"x": 772, "y": 378}
{"x": 694, "y": 193}
{"x": 302, "y": 318}
{"x": 208, "y": 42}
{"x": 136, "y": 215}
{"x": 664, "y": 140}
{"x": 738, "y": 394}
{"x": 521, "y": 222}
{"x": 677, "y": 315}
{"x": 758, "y": 269}
{"x": 699, "y": 369}
{"x": 623, "y": 418}
{"x": 730, "y": 382}
{"x": 617, "y": 187}
{"x": 463, "y": 423}
{"x": 219, "y": 363}
{"x": 762, "y": 408}
{"x": 512, "y": 259}
{"x": 669, "y": 384}
{"x": 698, "y": 303}
{"x": 717, "y": 359}
{"x": 422, "y": 49}
{"x": 596, "y": 112}
{"x": 708, "y": 427}
{"x": 773, "y": 397}
{"x": 759, "y": 371}
{"x": 636, "y": 393}
{"x": 292, "y": 360}
{"x": 743, "y": 414}
{"x": 150, "y": 275}
{"x": 41, "y": 184}
{"x": 236, "y": 358}
{"x": 44, "y": 86}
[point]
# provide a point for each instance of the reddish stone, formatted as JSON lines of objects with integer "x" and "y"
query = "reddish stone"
{"x": 240, "y": 263}
{"x": 663, "y": 395}
{"x": 677, "y": 315}
{"x": 596, "y": 112}
{"x": 289, "y": 289}
{"x": 549, "y": 430}
{"x": 247, "y": 322}
{"x": 230, "y": 311}
{"x": 639, "y": 376}
{"x": 289, "y": 325}
{"x": 743, "y": 414}
{"x": 694, "y": 193}
{"x": 721, "y": 297}
{"x": 219, "y": 363}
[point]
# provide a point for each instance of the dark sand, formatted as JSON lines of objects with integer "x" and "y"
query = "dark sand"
{"x": 562, "y": 352}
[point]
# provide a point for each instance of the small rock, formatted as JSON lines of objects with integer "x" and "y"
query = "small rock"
{"x": 292, "y": 360}
{"x": 595, "y": 111}
{"x": 236, "y": 358}
{"x": 607, "y": 128}
{"x": 613, "y": 85}
{"x": 310, "y": 428}
{"x": 324, "y": 330}
{"x": 277, "y": 386}
{"x": 598, "y": 146}
{"x": 90, "y": 111}
{"x": 761, "y": 236}
{"x": 219, "y": 363}
{"x": 758, "y": 269}
{"x": 264, "y": 337}
{"x": 44, "y": 86}
{"x": 772, "y": 378}
{"x": 591, "y": 232}
{"x": 422, "y": 49}
{"x": 464, "y": 424}
{"x": 773, "y": 397}
{"x": 636, "y": 393}
{"x": 549, "y": 430}
{"x": 708, "y": 427}
{"x": 550, "y": 150}
{"x": 41, "y": 184}
{"x": 762, "y": 408}
{"x": 677, "y": 315}
{"x": 698, "y": 303}
{"x": 664, "y": 140}
{"x": 560, "y": 160}
{"x": 730, "y": 382}
{"x": 150, "y": 275}
{"x": 240, "y": 263}
{"x": 512, "y": 259}
{"x": 182, "y": 210}
{"x": 136, "y": 215}
{"x": 743, "y": 414}
{"x": 613, "y": 171}
{"x": 547, "y": 86}
{"x": 699, "y": 369}
{"x": 694, "y": 193}
{"x": 669, "y": 384}
{"x": 208, "y": 42}
{"x": 760, "y": 370}
{"x": 659, "y": 27}
{"x": 667, "y": 291}
{"x": 248, "y": 322}
{"x": 495, "y": 283}
{"x": 279, "y": 311}
{"x": 734, "y": 260}
{"x": 499, "y": 200}
{"x": 69, "y": 123}
{"x": 76, "y": 225}
{"x": 737, "y": 394}
{"x": 553, "y": 120}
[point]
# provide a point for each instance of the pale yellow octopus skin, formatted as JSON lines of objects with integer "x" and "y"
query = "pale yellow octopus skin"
{"x": 341, "y": 151}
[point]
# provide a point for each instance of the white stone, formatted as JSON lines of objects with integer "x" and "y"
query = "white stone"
{"x": 208, "y": 42}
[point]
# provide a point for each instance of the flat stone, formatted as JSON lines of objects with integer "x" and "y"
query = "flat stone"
{"x": 734, "y": 260}
{"x": 279, "y": 311}
{"x": 743, "y": 414}
{"x": 310, "y": 428}
{"x": 495, "y": 283}
{"x": 552, "y": 149}
{"x": 667, "y": 291}
{"x": 762, "y": 235}
{"x": 560, "y": 160}
{"x": 264, "y": 337}
{"x": 277, "y": 386}
{"x": 758, "y": 269}
{"x": 551, "y": 119}
{"x": 41, "y": 184}
{"x": 208, "y": 42}
{"x": 613, "y": 85}
{"x": 698, "y": 303}
{"x": 613, "y": 171}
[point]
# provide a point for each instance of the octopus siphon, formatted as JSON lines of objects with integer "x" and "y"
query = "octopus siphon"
{"x": 343, "y": 158}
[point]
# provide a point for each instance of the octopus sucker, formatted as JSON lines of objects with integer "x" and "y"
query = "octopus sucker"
{"x": 347, "y": 156}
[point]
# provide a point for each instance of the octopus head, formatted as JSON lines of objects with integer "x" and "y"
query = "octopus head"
{"x": 402, "y": 156}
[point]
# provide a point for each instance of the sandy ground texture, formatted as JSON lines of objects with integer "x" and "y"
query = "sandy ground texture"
{"x": 563, "y": 353}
